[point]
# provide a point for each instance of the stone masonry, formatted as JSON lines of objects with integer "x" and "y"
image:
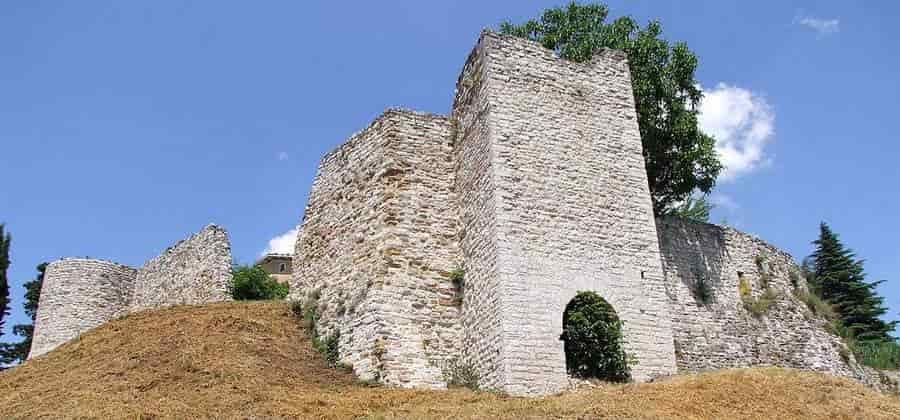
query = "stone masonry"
{"x": 721, "y": 332}
{"x": 382, "y": 280}
{"x": 80, "y": 293}
{"x": 432, "y": 243}
{"x": 535, "y": 188}
{"x": 195, "y": 270}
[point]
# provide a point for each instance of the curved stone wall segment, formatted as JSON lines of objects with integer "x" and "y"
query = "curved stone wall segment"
{"x": 79, "y": 294}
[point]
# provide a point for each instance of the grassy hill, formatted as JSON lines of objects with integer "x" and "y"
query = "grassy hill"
{"x": 254, "y": 360}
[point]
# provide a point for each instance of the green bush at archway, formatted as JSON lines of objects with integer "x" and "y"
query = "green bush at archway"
{"x": 592, "y": 337}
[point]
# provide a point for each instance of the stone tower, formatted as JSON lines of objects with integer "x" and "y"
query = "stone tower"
{"x": 553, "y": 200}
{"x": 535, "y": 186}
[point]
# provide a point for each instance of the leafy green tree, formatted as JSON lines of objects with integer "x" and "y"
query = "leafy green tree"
{"x": 17, "y": 352}
{"x": 679, "y": 158}
{"x": 839, "y": 279}
{"x": 592, "y": 339}
{"x": 694, "y": 208}
{"x": 253, "y": 283}
{"x": 5, "y": 240}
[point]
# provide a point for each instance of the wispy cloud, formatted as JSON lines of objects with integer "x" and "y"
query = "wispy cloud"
{"x": 723, "y": 201}
{"x": 821, "y": 26}
{"x": 742, "y": 123}
{"x": 283, "y": 156}
{"x": 281, "y": 244}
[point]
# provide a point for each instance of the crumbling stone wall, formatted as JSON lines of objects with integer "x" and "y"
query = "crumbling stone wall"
{"x": 721, "y": 332}
{"x": 79, "y": 294}
{"x": 571, "y": 207}
{"x": 376, "y": 247}
{"x": 193, "y": 271}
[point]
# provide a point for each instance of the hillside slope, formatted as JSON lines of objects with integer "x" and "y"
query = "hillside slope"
{"x": 254, "y": 360}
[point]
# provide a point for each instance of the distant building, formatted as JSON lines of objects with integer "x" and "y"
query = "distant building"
{"x": 277, "y": 265}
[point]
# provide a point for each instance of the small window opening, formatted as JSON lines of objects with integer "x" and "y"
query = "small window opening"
{"x": 281, "y": 268}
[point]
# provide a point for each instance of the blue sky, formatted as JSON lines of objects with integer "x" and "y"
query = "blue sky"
{"x": 125, "y": 126}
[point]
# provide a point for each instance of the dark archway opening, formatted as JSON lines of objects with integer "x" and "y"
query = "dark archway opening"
{"x": 592, "y": 339}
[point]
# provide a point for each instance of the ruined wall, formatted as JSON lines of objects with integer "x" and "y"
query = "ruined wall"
{"x": 79, "y": 294}
{"x": 721, "y": 332}
{"x": 193, "y": 271}
{"x": 570, "y": 206}
{"x": 376, "y": 247}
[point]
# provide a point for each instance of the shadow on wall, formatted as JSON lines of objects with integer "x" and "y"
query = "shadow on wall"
{"x": 701, "y": 254}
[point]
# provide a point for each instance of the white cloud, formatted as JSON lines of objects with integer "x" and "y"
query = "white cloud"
{"x": 742, "y": 123}
{"x": 282, "y": 244}
{"x": 821, "y": 26}
{"x": 283, "y": 156}
{"x": 723, "y": 201}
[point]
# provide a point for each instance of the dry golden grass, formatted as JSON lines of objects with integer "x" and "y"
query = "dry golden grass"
{"x": 253, "y": 360}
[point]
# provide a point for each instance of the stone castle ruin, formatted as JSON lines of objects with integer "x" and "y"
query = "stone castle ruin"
{"x": 81, "y": 293}
{"x": 534, "y": 187}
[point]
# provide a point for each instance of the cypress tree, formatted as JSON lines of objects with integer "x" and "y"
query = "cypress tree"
{"x": 840, "y": 279}
{"x": 5, "y": 240}
{"x": 17, "y": 352}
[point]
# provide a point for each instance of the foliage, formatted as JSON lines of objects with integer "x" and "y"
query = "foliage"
{"x": 743, "y": 287}
{"x": 759, "y": 306}
{"x": 592, "y": 339}
{"x": 817, "y": 305}
{"x": 17, "y": 352}
{"x": 702, "y": 288}
{"x": 297, "y": 308}
{"x": 679, "y": 158}
{"x": 5, "y": 240}
{"x": 458, "y": 276}
{"x": 253, "y": 283}
{"x": 794, "y": 276}
{"x": 328, "y": 347}
{"x": 839, "y": 279}
{"x": 696, "y": 209}
{"x": 461, "y": 374}
{"x": 878, "y": 354}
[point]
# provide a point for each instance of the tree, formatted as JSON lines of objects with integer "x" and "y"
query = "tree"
{"x": 253, "y": 283}
{"x": 679, "y": 158}
{"x": 694, "y": 208}
{"x": 592, "y": 339}
{"x": 5, "y": 240}
{"x": 17, "y": 352}
{"x": 840, "y": 279}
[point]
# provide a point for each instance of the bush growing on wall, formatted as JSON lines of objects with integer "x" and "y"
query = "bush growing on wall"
{"x": 592, "y": 337}
{"x": 253, "y": 283}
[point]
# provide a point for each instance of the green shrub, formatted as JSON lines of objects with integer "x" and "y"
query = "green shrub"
{"x": 297, "y": 309}
{"x": 702, "y": 288}
{"x": 458, "y": 373}
{"x": 253, "y": 283}
{"x": 817, "y": 305}
{"x": 592, "y": 339}
{"x": 794, "y": 276}
{"x": 759, "y": 306}
{"x": 877, "y": 354}
{"x": 328, "y": 347}
{"x": 458, "y": 276}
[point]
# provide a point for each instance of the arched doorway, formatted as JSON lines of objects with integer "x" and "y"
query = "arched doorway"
{"x": 592, "y": 339}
